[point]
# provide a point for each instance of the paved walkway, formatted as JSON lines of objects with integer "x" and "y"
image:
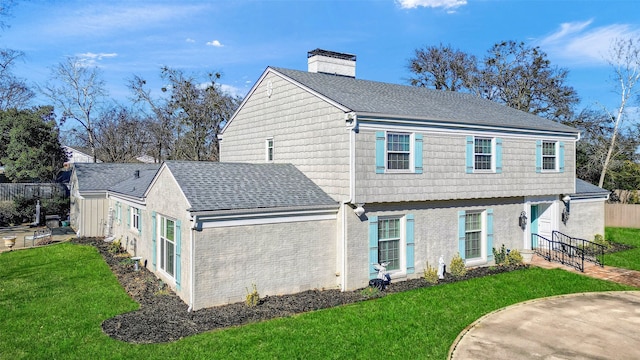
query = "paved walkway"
{"x": 602, "y": 325}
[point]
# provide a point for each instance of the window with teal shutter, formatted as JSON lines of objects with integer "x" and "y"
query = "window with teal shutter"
{"x": 489, "y": 234}
{"x": 178, "y": 252}
{"x": 538, "y": 156}
{"x": 461, "y": 233}
{"x": 498, "y": 155}
{"x": 410, "y": 243}
{"x": 418, "y": 153}
{"x": 380, "y": 151}
{"x": 154, "y": 231}
{"x": 470, "y": 157}
{"x": 128, "y": 216}
{"x": 373, "y": 246}
{"x": 561, "y": 157}
{"x": 139, "y": 221}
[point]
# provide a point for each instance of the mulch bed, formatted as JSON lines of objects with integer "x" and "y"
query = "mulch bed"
{"x": 163, "y": 316}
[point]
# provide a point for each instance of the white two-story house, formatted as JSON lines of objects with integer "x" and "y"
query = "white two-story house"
{"x": 418, "y": 173}
{"x": 323, "y": 175}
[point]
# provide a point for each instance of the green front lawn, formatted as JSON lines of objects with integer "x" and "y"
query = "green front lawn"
{"x": 53, "y": 300}
{"x": 629, "y": 259}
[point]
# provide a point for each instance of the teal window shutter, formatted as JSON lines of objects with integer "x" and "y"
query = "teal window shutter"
{"x": 410, "y": 243}
{"x": 380, "y": 150}
{"x": 178, "y": 252}
{"x": 561, "y": 156}
{"x": 373, "y": 246}
{"x": 469, "y": 154}
{"x": 139, "y": 221}
{"x": 154, "y": 231}
{"x": 461, "y": 233}
{"x": 418, "y": 153}
{"x": 128, "y": 216}
{"x": 489, "y": 234}
{"x": 498, "y": 155}
{"x": 538, "y": 156}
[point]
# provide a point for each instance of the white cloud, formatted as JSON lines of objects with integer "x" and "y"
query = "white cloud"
{"x": 91, "y": 59}
{"x": 580, "y": 44}
{"x": 190, "y": 40}
{"x": 447, "y": 4}
{"x": 215, "y": 43}
{"x": 232, "y": 90}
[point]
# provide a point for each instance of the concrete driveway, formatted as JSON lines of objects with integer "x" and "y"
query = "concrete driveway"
{"x": 602, "y": 325}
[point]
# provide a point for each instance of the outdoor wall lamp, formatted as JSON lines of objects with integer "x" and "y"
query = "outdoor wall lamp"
{"x": 522, "y": 220}
{"x": 359, "y": 210}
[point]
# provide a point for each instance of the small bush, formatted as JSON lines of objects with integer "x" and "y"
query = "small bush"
{"x": 500, "y": 257}
{"x": 8, "y": 213}
{"x": 370, "y": 291}
{"x": 599, "y": 239}
{"x": 457, "y": 267}
{"x": 253, "y": 298}
{"x": 431, "y": 274}
{"x": 514, "y": 258}
{"x": 115, "y": 247}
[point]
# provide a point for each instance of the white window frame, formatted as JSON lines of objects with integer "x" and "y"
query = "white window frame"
{"x": 482, "y": 259}
{"x": 402, "y": 243}
{"x": 556, "y": 150}
{"x": 135, "y": 219}
{"x": 269, "y": 145}
{"x": 411, "y": 152}
{"x": 163, "y": 241}
{"x": 492, "y": 154}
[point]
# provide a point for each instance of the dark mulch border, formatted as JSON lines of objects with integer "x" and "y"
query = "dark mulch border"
{"x": 163, "y": 316}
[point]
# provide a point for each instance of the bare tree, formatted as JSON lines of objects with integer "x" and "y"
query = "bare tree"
{"x": 624, "y": 58}
{"x": 14, "y": 92}
{"x": 120, "y": 135}
{"x": 512, "y": 74}
{"x": 78, "y": 91}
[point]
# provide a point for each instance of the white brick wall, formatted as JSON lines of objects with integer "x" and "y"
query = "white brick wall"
{"x": 436, "y": 232}
{"x": 278, "y": 258}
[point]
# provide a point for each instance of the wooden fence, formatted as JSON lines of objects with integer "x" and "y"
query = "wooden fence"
{"x": 9, "y": 191}
{"x": 622, "y": 215}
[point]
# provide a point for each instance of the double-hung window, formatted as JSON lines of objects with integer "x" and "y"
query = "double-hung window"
{"x": 389, "y": 242}
{"x": 549, "y": 155}
{"x": 135, "y": 221}
{"x": 398, "y": 152}
{"x": 269, "y": 149}
{"x": 475, "y": 236}
{"x": 483, "y": 149}
{"x": 167, "y": 245}
{"x": 484, "y": 155}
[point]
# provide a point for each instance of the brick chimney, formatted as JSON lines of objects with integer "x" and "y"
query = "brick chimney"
{"x": 331, "y": 62}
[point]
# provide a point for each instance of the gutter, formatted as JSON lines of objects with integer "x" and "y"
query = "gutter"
{"x": 351, "y": 120}
{"x": 192, "y": 252}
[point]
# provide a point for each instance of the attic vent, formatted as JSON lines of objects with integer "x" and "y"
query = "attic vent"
{"x": 136, "y": 174}
{"x": 331, "y": 62}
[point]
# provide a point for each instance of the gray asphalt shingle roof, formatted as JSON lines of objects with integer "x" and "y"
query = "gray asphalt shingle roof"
{"x": 416, "y": 102}
{"x": 214, "y": 186}
{"x": 103, "y": 176}
{"x": 585, "y": 188}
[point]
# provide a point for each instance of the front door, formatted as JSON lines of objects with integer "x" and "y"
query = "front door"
{"x": 541, "y": 222}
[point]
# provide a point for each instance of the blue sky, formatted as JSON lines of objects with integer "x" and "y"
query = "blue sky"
{"x": 240, "y": 38}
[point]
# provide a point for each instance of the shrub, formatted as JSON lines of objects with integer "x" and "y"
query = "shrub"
{"x": 115, "y": 247}
{"x": 370, "y": 291}
{"x": 514, "y": 258}
{"x": 253, "y": 298}
{"x": 8, "y": 213}
{"x": 457, "y": 267}
{"x": 500, "y": 257}
{"x": 599, "y": 239}
{"x": 431, "y": 274}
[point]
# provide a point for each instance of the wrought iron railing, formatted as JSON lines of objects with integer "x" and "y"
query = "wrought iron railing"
{"x": 568, "y": 250}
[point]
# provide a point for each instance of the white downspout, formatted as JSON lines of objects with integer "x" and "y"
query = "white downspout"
{"x": 192, "y": 263}
{"x": 352, "y": 125}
